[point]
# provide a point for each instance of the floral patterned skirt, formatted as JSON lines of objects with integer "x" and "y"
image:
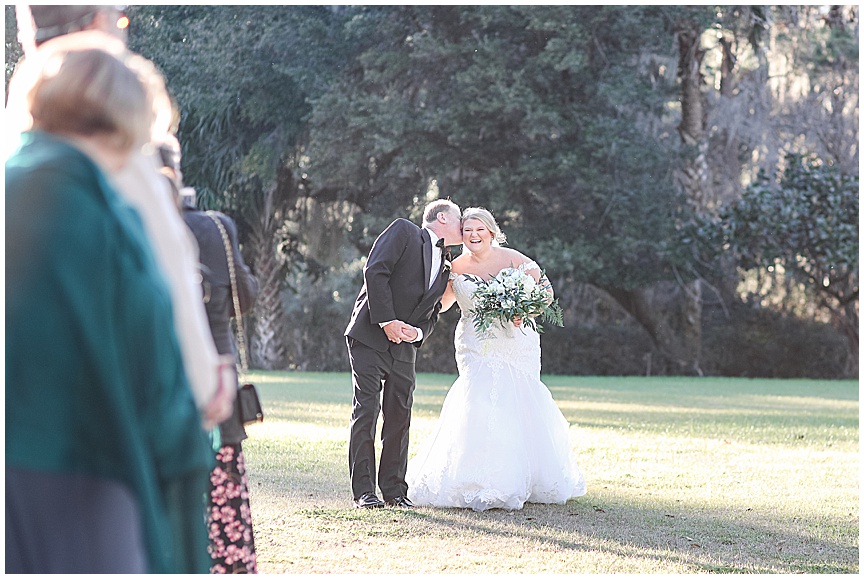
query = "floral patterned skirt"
{"x": 229, "y": 519}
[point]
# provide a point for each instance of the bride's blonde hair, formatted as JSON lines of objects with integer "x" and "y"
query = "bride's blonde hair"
{"x": 484, "y": 216}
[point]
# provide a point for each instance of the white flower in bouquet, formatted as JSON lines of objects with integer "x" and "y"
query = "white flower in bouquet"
{"x": 511, "y": 294}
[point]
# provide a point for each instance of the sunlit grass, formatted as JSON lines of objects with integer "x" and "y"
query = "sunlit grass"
{"x": 684, "y": 475}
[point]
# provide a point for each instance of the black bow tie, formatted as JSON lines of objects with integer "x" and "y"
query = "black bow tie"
{"x": 440, "y": 243}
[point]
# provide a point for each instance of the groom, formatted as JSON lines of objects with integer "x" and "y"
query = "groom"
{"x": 403, "y": 281}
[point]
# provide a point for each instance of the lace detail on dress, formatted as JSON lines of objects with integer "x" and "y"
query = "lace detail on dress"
{"x": 501, "y": 440}
{"x": 529, "y": 265}
{"x": 517, "y": 349}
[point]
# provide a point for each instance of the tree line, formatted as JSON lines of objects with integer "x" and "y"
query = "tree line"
{"x": 687, "y": 175}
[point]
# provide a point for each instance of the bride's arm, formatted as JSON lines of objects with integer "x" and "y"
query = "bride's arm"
{"x": 545, "y": 284}
{"x": 532, "y": 269}
{"x": 449, "y": 298}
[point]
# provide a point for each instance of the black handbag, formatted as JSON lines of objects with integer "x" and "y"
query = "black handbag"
{"x": 248, "y": 403}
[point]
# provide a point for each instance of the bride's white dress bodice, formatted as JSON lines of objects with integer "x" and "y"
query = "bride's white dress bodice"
{"x": 501, "y": 440}
{"x": 518, "y": 348}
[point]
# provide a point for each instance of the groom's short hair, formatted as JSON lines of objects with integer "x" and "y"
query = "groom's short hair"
{"x": 430, "y": 213}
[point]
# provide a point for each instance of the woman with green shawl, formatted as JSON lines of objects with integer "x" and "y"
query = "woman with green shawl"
{"x": 106, "y": 460}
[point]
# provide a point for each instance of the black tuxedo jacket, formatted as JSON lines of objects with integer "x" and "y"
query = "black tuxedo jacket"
{"x": 395, "y": 281}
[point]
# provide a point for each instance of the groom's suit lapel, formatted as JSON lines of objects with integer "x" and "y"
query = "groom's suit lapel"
{"x": 427, "y": 258}
{"x": 435, "y": 288}
{"x": 442, "y": 276}
{"x": 431, "y": 297}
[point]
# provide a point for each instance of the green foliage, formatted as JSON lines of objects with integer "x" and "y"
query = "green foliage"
{"x": 242, "y": 77}
{"x": 12, "y": 48}
{"x": 836, "y": 44}
{"x": 804, "y": 226}
{"x": 560, "y": 119}
{"x": 807, "y": 222}
{"x": 534, "y": 112}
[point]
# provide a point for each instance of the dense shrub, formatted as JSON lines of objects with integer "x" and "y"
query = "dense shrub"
{"x": 749, "y": 342}
{"x": 597, "y": 350}
{"x": 317, "y": 312}
{"x": 762, "y": 343}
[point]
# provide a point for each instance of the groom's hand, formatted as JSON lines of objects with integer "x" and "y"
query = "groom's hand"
{"x": 410, "y": 333}
{"x": 398, "y": 332}
{"x": 395, "y": 331}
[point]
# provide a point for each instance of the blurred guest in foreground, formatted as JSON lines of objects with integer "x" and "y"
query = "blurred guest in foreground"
{"x": 229, "y": 517}
{"x": 106, "y": 460}
{"x": 46, "y": 28}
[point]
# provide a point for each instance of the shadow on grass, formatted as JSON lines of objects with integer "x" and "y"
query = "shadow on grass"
{"x": 305, "y": 479}
{"x": 699, "y": 541}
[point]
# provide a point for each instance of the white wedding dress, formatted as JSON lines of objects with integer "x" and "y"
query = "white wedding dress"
{"x": 501, "y": 440}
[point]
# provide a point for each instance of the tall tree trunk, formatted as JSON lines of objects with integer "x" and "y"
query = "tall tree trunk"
{"x": 671, "y": 312}
{"x": 725, "y": 157}
{"x": 695, "y": 178}
{"x": 726, "y": 162}
{"x": 694, "y": 175}
{"x": 848, "y": 323}
{"x": 268, "y": 345}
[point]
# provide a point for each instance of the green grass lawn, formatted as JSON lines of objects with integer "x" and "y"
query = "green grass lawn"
{"x": 685, "y": 475}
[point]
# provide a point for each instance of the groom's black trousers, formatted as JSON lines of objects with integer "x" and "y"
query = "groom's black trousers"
{"x": 371, "y": 372}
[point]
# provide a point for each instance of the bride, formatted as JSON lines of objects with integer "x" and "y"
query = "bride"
{"x": 501, "y": 440}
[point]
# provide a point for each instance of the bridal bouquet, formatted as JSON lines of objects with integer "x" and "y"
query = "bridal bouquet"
{"x": 513, "y": 293}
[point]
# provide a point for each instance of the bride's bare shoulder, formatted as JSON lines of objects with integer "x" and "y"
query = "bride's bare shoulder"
{"x": 515, "y": 258}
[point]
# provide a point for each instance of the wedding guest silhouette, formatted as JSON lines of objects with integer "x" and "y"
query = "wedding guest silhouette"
{"x": 52, "y": 27}
{"x": 106, "y": 460}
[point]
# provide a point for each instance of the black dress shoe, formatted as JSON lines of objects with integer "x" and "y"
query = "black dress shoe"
{"x": 368, "y": 501}
{"x": 401, "y": 502}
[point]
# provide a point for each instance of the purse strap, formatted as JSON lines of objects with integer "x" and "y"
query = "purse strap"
{"x": 229, "y": 255}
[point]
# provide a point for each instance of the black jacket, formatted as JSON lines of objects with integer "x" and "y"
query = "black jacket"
{"x": 217, "y": 292}
{"x": 395, "y": 281}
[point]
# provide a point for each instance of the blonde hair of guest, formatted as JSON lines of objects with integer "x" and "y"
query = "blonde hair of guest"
{"x": 91, "y": 92}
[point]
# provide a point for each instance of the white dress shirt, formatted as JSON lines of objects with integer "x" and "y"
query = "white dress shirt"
{"x": 436, "y": 257}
